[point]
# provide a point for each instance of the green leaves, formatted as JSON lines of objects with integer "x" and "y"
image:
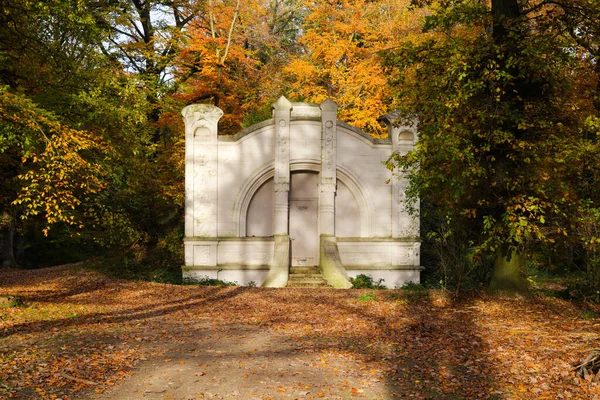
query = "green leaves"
{"x": 500, "y": 131}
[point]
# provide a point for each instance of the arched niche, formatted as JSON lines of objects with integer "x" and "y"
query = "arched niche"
{"x": 352, "y": 191}
{"x": 347, "y": 213}
{"x": 406, "y": 136}
{"x": 245, "y": 195}
{"x": 259, "y": 217}
{"x": 202, "y": 132}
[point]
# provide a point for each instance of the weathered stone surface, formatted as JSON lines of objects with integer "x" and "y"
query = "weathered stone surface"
{"x": 331, "y": 265}
{"x": 246, "y": 193}
{"x": 279, "y": 272}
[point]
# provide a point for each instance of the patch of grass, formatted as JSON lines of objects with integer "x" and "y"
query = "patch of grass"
{"x": 11, "y": 302}
{"x": 570, "y": 287}
{"x": 38, "y": 312}
{"x": 369, "y": 296}
{"x": 588, "y": 314}
{"x": 363, "y": 281}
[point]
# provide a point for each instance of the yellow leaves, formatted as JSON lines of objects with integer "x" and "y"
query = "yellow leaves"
{"x": 302, "y": 69}
{"x": 59, "y": 175}
{"x": 341, "y": 61}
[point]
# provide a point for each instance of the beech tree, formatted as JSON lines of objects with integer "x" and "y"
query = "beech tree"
{"x": 498, "y": 138}
{"x": 67, "y": 115}
{"x": 342, "y": 42}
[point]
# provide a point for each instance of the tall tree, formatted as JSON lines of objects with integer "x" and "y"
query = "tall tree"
{"x": 494, "y": 98}
{"x": 66, "y": 113}
{"x": 341, "y": 44}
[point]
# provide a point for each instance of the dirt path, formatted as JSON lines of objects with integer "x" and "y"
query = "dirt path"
{"x": 91, "y": 337}
{"x": 245, "y": 363}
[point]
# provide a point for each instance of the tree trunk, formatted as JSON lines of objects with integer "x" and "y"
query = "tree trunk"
{"x": 596, "y": 97}
{"x": 502, "y": 12}
{"x": 508, "y": 277}
{"x": 7, "y": 234}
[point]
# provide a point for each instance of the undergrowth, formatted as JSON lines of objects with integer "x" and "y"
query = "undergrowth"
{"x": 363, "y": 281}
{"x": 206, "y": 281}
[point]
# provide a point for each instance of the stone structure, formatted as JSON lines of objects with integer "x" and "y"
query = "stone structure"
{"x": 301, "y": 189}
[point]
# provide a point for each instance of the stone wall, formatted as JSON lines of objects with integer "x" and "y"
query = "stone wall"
{"x": 238, "y": 196}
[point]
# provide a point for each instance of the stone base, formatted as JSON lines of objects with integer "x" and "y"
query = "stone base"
{"x": 242, "y": 277}
{"x": 331, "y": 265}
{"x": 392, "y": 279}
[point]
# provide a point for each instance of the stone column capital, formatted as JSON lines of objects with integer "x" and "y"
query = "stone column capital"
{"x": 201, "y": 121}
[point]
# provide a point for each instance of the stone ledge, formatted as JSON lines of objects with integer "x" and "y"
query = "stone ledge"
{"x": 379, "y": 239}
{"x": 246, "y": 131}
{"x": 271, "y": 122}
{"x": 230, "y": 239}
{"x": 226, "y": 267}
{"x": 395, "y": 268}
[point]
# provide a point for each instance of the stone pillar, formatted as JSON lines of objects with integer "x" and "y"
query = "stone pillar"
{"x": 201, "y": 169}
{"x": 281, "y": 114}
{"x": 201, "y": 153}
{"x": 328, "y": 181}
{"x": 404, "y": 224}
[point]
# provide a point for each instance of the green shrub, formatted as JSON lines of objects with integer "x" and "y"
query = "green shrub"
{"x": 412, "y": 287}
{"x": 447, "y": 252}
{"x": 11, "y": 302}
{"x": 363, "y": 281}
{"x": 158, "y": 261}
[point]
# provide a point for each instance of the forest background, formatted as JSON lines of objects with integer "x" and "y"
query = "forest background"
{"x": 507, "y": 95}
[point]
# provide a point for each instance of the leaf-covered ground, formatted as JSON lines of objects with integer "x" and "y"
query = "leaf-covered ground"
{"x": 86, "y": 336}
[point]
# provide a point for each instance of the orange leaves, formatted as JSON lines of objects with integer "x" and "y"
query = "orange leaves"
{"x": 341, "y": 59}
{"x": 241, "y": 58}
{"x": 218, "y": 56}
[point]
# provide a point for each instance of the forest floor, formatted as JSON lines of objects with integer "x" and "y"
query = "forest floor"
{"x": 87, "y": 336}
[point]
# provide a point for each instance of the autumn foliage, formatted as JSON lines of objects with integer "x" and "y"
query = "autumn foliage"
{"x": 507, "y": 95}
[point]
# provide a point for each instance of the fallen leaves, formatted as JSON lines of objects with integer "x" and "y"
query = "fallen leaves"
{"x": 85, "y": 332}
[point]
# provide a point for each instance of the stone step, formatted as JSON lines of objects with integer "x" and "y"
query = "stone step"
{"x": 305, "y": 270}
{"x": 308, "y": 285}
{"x": 306, "y": 276}
{"x": 307, "y": 280}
